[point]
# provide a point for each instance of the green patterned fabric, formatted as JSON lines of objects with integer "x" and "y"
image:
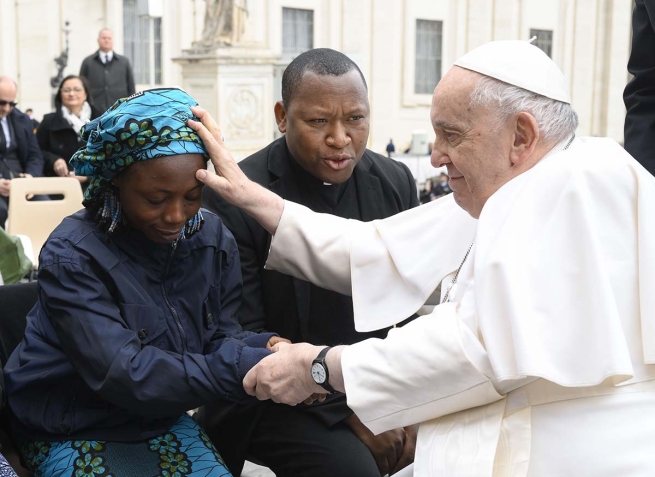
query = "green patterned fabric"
{"x": 14, "y": 264}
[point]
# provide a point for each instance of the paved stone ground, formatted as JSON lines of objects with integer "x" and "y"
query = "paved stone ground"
{"x": 253, "y": 470}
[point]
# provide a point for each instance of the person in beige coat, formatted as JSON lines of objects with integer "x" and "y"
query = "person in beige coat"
{"x": 537, "y": 359}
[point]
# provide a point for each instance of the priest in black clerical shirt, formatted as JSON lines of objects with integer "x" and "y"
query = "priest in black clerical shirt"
{"x": 320, "y": 162}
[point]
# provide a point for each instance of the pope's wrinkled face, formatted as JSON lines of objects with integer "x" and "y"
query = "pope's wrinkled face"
{"x": 474, "y": 150}
{"x": 159, "y": 196}
{"x": 326, "y": 124}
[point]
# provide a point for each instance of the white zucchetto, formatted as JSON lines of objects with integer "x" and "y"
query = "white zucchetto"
{"x": 518, "y": 63}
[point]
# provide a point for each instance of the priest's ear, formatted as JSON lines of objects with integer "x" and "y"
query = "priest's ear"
{"x": 281, "y": 117}
{"x": 525, "y": 138}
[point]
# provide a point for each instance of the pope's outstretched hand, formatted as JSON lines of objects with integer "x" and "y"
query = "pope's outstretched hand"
{"x": 229, "y": 181}
{"x": 285, "y": 375}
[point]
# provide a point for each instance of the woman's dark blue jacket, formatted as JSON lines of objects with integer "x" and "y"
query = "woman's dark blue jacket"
{"x": 128, "y": 334}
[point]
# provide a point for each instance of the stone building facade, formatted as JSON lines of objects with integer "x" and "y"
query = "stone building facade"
{"x": 402, "y": 46}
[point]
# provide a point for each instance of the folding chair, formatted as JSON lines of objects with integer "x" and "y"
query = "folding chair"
{"x": 37, "y": 219}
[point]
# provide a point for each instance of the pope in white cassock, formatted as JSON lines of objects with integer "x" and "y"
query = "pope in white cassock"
{"x": 539, "y": 359}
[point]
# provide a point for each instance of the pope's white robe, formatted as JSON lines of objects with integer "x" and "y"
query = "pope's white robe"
{"x": 541, "y": 365}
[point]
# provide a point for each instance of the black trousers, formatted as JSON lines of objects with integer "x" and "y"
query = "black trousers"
{"x": 291, "y": 442}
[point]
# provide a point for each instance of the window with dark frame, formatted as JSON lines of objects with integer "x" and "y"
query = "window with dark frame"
{"x": 142, "y": 36}
{"x": 429, "y": 42}
{"x": 544, "y": 40}
{"x": 297, "y": 31}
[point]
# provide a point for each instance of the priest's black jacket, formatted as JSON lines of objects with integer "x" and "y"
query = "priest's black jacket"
{"x": 379, "y": 187}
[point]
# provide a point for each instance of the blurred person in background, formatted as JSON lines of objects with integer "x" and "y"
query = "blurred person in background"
{"x": 20, "y": 155}
{"x": 35, "y": 123}
{"x": 427, "y": 192}
{"x": 390, "y": 148}
{"x": 442, "y": 187}
{"x": 109, "y": 74}
{"x": 59, "y": 135}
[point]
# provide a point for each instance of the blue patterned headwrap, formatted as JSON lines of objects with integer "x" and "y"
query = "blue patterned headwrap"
{"x": 144, "y": 126}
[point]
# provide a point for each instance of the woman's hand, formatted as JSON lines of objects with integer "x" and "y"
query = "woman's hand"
{"x": 60, "y": 167}
{"x": 275, "y": 340}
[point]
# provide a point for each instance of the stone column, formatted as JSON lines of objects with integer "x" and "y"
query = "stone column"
{"x": 235, "y": 84}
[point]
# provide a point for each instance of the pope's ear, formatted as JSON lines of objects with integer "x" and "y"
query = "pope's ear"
{"x": 526, "y": 137}
{"x": 281, "y": 117}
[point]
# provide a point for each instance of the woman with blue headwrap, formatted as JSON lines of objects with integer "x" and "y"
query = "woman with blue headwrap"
{"x": 135, "y": 322}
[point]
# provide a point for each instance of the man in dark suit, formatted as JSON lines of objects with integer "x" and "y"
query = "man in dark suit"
{"x": 639, "y": 94}
{"x": 108, "y": 73}
{"x": 20, "y": 155}
{"x": 321, "y": 162}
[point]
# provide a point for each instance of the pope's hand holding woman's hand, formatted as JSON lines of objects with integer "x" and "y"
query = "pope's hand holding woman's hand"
{"x": 285, "y": 375}
{"x": 275, "y": 342}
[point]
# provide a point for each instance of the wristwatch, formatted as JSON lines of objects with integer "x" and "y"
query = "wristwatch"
{"x": 320, "y": 372}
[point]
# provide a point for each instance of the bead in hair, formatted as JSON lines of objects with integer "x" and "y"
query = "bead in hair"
{"x": 193, "y": 225}
{"x": 111, "y": 211}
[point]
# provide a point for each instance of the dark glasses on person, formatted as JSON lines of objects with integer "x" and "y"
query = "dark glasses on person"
{"x": 10, "y": 103}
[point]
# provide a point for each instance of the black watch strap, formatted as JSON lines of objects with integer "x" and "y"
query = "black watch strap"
{"x": 320, "y": 359}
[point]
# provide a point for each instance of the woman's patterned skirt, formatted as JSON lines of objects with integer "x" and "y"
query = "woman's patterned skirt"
{"x": 183, "y": 451}
{"x": 5, "y": 468}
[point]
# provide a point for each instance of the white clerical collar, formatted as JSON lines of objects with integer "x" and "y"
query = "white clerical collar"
{"x": 559, "y": 147}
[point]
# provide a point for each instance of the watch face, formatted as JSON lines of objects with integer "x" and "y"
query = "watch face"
{"x": 318, "y": 373}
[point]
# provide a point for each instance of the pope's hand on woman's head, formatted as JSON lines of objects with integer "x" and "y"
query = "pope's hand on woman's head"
{"x": 229, "y": 181}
